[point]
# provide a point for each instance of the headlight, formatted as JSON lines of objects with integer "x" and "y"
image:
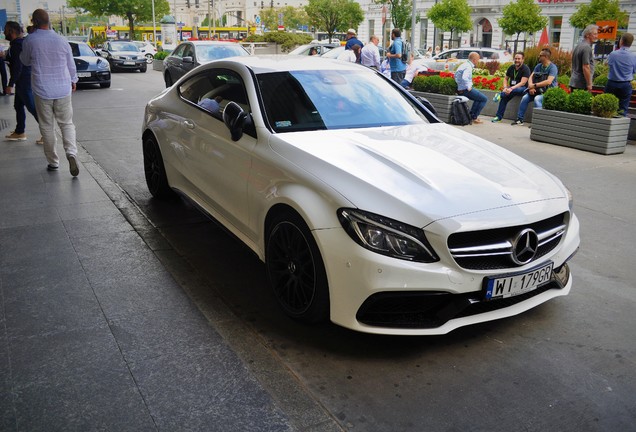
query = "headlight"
{"x": 570, "y": 199}
{"x": 101, "y": 64}
{"x": 387, "y": 236}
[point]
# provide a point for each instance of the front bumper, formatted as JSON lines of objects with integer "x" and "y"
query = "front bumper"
{"x": 128, "y": 64}
{"x": 372, "y": 293}
{"x": 93, "y": 77}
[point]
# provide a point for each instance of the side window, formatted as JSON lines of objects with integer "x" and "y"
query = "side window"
{"x": 213, "y": 89}
{"x": 188, "y": 51}
{"x": 178, "y": 52}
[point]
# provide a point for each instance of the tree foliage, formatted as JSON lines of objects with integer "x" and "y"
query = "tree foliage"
{"x": 132, "y": 10}
{"x": 401, "y": 12}
{"x": 292, "y": 17}
{"x": 451, "y": 16}
{"x": 598, "y": 10}
{"x": 522, "y": 16}
{"x": 334, "y": 15}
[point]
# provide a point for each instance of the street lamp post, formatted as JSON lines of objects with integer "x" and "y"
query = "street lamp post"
{"x": 154, "y": 25}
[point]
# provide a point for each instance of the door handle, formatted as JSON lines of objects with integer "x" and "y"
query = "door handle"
{"x": 189, "y": 124}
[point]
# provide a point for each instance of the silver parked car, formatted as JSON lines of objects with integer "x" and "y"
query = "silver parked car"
{"x": 191, "y": 54}
{"x": 123, "y": 55}
{"x": 367, "y": 211}
{"x": 450, "y": 60}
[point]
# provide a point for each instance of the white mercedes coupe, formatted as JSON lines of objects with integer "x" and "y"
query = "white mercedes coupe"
{"x": 366, "y": 209}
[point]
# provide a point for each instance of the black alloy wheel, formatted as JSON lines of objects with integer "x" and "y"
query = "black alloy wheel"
{"x": 155, "y": 171}
{"x": 143, "y": 68}
{"x": 296, "y": 270}
{"x": 168, "y": 78}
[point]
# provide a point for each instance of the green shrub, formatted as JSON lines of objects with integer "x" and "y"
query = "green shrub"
{"x": 161, "y": 55}
{"x": 481, "y": 72}
{"x": 563, "y": 79}
{"x": 555, "y": 98}
{"x": 448, "y": 86}
{"x": 287, "y": 41}
{"x": 600, "y": 80}
{"x": 428, "y": 84}
{"x": 503, "y": 67}
{"x": 605, "y": 105}
{"x": 600, "y": 69}
{"x": 579, "y": 102}
{"x": 561, "y": 58}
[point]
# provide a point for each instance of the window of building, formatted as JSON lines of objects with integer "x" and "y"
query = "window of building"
{"x": 371, "y": 27}
{"x": 423, "y": 33}
{"x": 555, "y": 30}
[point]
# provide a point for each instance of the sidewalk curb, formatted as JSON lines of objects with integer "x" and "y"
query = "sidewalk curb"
{"x": 304, "y": 411}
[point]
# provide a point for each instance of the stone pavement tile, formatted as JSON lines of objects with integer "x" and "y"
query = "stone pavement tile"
{"x": 18, "y": 196}
{"x": 170, "y": 331}
{"x": 62, "y": 194}
{"x": 22, "y": 171}
{"x": 87, "y": 210}
{"x": 25, "y": 242}
{"x": 34, "y": 214}
{"x": 195, "y": 392}
{"x": 75, "y": 380}
{"x": 62, "y": 305}
{"x": 40, "y": 271}
{"x": 97, "y": 225}
{"x": 7, "y": 416}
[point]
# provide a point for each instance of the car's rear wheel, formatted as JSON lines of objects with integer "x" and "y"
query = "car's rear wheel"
{"x": 143, "y": 68}
{"x": 168, "y": 79}
{"x": 155, "y": 171}
{"x": 296, "y": 270}
{"x": 149, "y": 58}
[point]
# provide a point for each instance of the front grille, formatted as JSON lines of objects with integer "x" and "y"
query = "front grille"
{"x": 421, "y": 310}
{"x": 493, "y": 249}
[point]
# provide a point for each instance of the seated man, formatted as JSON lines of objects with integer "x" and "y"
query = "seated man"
{"x": 543, "y": 77}
{"x": 464, "y": 79}
{"x": 212, "y": 105}
{"x": 514, "y": 85}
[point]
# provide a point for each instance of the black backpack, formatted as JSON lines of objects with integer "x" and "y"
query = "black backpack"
{"x": 460, "y": 115}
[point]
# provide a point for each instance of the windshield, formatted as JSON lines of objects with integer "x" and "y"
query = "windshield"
{"x": 124, "y": 46}
{"x": 81, "y": 50}
{"x": 206, "y": 53}
{"x": 310, "y": 100}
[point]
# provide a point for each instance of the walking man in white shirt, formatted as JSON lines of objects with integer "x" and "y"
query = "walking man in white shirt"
{"x": 53, "y": 77}
{"x": 370, "y": 54}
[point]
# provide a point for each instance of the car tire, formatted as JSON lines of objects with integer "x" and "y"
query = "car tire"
{"x": 296, "y": 270}
{"x": 155, "y": 171}
{"x": 143, "y": 68}
{"x": 149, "y": 58}
{"x": 105, "y": 85}
{"x": 168, "y": 79}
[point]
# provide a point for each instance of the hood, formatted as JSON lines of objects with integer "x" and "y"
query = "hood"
{"x": 427, "y": 172}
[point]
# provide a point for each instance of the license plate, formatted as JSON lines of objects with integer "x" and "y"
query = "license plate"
{"x": 512, "y": 285}
{"x": 84, "y": 74}
{"x": 129, "y": 63}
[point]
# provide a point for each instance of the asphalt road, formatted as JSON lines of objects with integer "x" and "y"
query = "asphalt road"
{"x": 568, "y": 365}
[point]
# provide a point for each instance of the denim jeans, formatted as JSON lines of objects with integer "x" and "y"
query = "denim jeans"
{"x": 51, "y": 111}
{"x": 505, "y": 98}
{"x": 23, "y": 99}
{"x": 479, "y": 101}
{"x": 623, "y": 91}
{"x": 525, "y": 100}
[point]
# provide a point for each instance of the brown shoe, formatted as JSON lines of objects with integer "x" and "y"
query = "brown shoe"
{"x": 40, "y": 141}
{"x": 16, "y": 137}
{"x": 477, "y": 121}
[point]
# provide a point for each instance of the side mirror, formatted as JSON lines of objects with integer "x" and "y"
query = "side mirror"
{"x": 187, "y": 59}
{"x": 234, "y": 118}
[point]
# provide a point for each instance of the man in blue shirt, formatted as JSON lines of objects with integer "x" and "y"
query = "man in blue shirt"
{"x": 543, "y": 77}
{"x": 352, "y": 40}
{"x": 464, "y": 80}
{"x": 53, "y": 77}
{"x": 622, "y": 67}
{"x": 398, "y": 67}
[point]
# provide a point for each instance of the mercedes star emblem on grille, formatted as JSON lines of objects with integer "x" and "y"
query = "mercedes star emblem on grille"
{"x": 524, "y": 246}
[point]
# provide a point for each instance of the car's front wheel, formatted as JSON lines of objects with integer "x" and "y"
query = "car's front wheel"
{"x": 155, "y": 171}
{"x": 296, "y": 270}
{"x": 168, "y": 79}
{"x": 105, "y": 84}
{"x": 143, "y": 68}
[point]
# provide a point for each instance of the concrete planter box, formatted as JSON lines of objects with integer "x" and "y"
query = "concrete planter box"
{"x": 157, "y": 65}
{"x": 441, "y": 103}
{"x": 584, "y": 132}
{"x": 511, "y": 110}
